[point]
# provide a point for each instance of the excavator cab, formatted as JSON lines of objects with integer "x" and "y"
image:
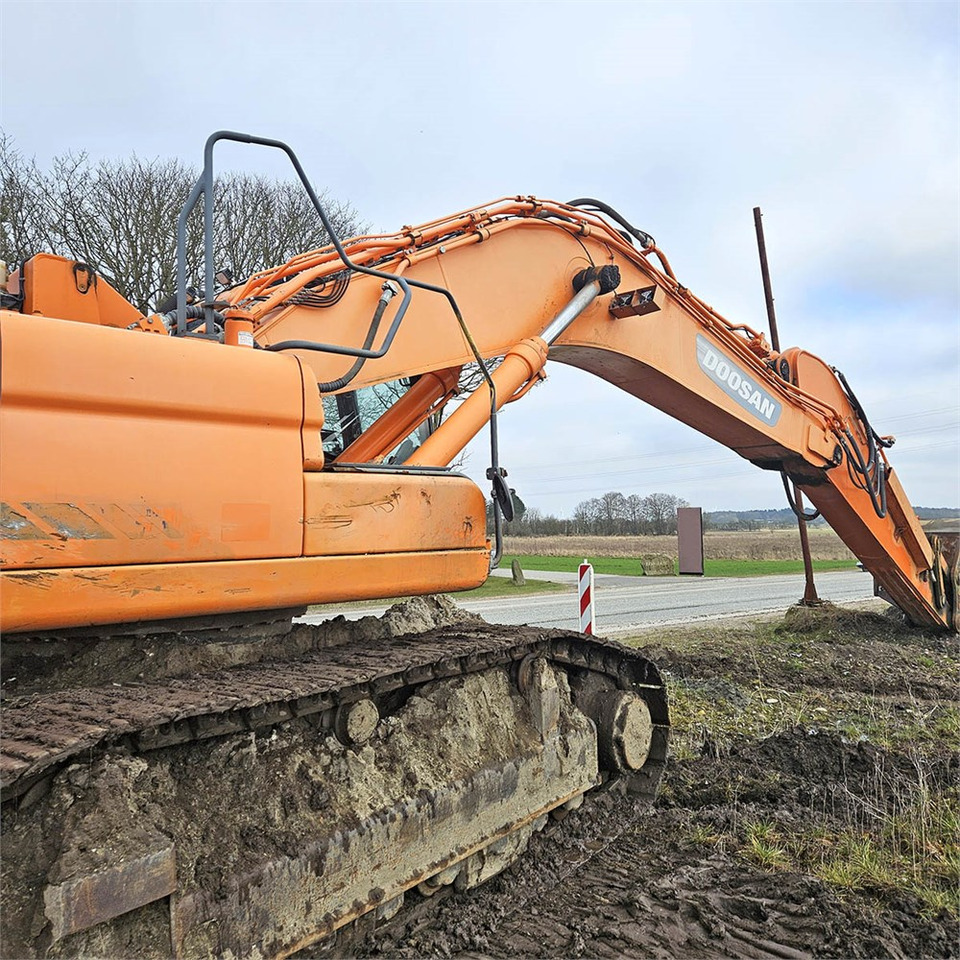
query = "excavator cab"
{"x": 347, "y": 415}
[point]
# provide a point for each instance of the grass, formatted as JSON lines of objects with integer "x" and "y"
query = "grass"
{"x": 902, "y": 834}
{"x": 505, "y": 587}
{"x": 913, "y": 848}
{"x": 763, "y": 846}
{"x": 630, "y": 566}
{"x": 889, "y": 830}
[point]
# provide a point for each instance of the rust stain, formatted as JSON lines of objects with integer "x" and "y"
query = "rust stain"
{"x": 80, "y": 903}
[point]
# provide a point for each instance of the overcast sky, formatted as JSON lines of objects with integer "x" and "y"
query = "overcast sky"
{"x": 839, "y": 119}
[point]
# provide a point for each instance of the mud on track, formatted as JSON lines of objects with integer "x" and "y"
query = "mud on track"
{"x": 755, "y": 812}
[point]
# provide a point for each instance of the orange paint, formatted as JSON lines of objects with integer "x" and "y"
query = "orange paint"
{"x": 150, "y": 477}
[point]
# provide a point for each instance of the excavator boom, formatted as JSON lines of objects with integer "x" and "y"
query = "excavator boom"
{"x": 247, "y": 510}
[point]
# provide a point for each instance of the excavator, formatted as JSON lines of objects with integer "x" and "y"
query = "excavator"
{"x": 186, "y": 770}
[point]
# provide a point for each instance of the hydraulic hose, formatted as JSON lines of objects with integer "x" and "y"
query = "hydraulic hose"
{"x": 332, "y": 386}
{"x": 870, "y": 474}
{"x": 645, "y": 239}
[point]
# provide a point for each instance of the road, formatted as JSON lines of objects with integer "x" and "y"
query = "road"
{"x": 624, "y": 604}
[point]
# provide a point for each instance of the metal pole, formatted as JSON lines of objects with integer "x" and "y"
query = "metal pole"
{"x": 765, "y": 272}
{"x": 810, "y": 598}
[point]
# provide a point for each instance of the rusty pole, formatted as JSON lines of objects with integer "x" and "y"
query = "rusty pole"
{"x": 765, "y": 273}
{"x": 810, "y": 598}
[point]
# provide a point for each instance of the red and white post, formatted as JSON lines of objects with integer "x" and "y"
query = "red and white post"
{"x": 586, "y": 598}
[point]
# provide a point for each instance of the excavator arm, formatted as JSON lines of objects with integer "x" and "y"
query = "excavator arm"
{"x": 512, "y": 267}
{"x": 248, "y": 492}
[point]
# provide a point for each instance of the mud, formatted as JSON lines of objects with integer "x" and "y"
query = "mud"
{"x": 613, "y": 879}
{"x": 224, "y": 814}
{"x": 230, "y": 842}
{"x": 616, "y": 880}
{"x": 37, "y": 665}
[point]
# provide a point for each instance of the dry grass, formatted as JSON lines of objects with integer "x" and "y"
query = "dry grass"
{"x": 717, "y": 545}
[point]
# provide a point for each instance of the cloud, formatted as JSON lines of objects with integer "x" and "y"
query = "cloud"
{"x": 840, "y": 121}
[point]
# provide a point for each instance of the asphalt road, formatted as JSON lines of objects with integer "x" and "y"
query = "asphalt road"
{"x": 627, "y": 603}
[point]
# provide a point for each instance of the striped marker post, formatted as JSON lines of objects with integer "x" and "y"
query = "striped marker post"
{"x": 586, "y": 598}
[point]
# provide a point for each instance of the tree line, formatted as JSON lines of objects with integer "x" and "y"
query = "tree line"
{"x": 613, "y": 514}
{"x": 120, "y": 217}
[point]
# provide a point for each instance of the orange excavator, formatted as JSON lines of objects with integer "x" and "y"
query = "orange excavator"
{"x": 172, "y": 481}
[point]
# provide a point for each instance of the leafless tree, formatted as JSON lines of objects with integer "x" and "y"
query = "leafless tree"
{"x": 613, "y": 513}
{"x": 634, "y": 509}
{"x": 121, "y": 218}
{"x": 660, "y": 512}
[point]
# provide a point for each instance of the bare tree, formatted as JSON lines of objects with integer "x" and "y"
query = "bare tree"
{"x": 23, "y": 222}
{"x": 613, "y": 512}
{"x": 121, "y": 218}
{"x": 634, "y": 508}
{"x": 660, "y": 512}
{"x": 587, "y": 515}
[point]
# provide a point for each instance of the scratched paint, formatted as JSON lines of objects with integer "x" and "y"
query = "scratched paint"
{"x": 85, "y": 521}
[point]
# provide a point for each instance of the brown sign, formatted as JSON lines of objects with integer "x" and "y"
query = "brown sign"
{"x": 690, "y": 540}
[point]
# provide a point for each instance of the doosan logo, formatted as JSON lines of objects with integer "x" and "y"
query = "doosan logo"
{"x": 737, "y": 384}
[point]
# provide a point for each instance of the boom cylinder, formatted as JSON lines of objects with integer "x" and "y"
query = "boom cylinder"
{"x": 584, "y": 297}
{"x": 402, "y": 418}
{"x": 524, "y": 361}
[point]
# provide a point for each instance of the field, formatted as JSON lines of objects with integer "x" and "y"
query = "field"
{"x": 740, "y": 554}
{"x": 633, "y": 566}
{"x": 717, "y": 545}
{"x": 809, "y": 808}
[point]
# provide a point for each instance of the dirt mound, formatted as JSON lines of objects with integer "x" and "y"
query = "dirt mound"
{"x": 829, "y": 622}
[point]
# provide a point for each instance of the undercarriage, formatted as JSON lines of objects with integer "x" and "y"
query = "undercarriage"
{"x": 257, "y": 808}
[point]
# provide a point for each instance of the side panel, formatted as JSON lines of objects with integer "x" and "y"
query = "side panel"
{"x": 377, "y": 513}
{"x": 55, "y": 599}
{"x": 123, "y": 448}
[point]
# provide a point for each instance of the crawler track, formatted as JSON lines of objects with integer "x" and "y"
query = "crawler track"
{"x": 44, "y": 731}
{"x": 214, "y": 813}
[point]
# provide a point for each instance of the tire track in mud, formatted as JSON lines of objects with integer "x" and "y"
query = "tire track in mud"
{"x": 615, "y": 881}
{"x": 622, "y": 903}
{"x": 608, "y": 888}
{"x": 618, "y": 879}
